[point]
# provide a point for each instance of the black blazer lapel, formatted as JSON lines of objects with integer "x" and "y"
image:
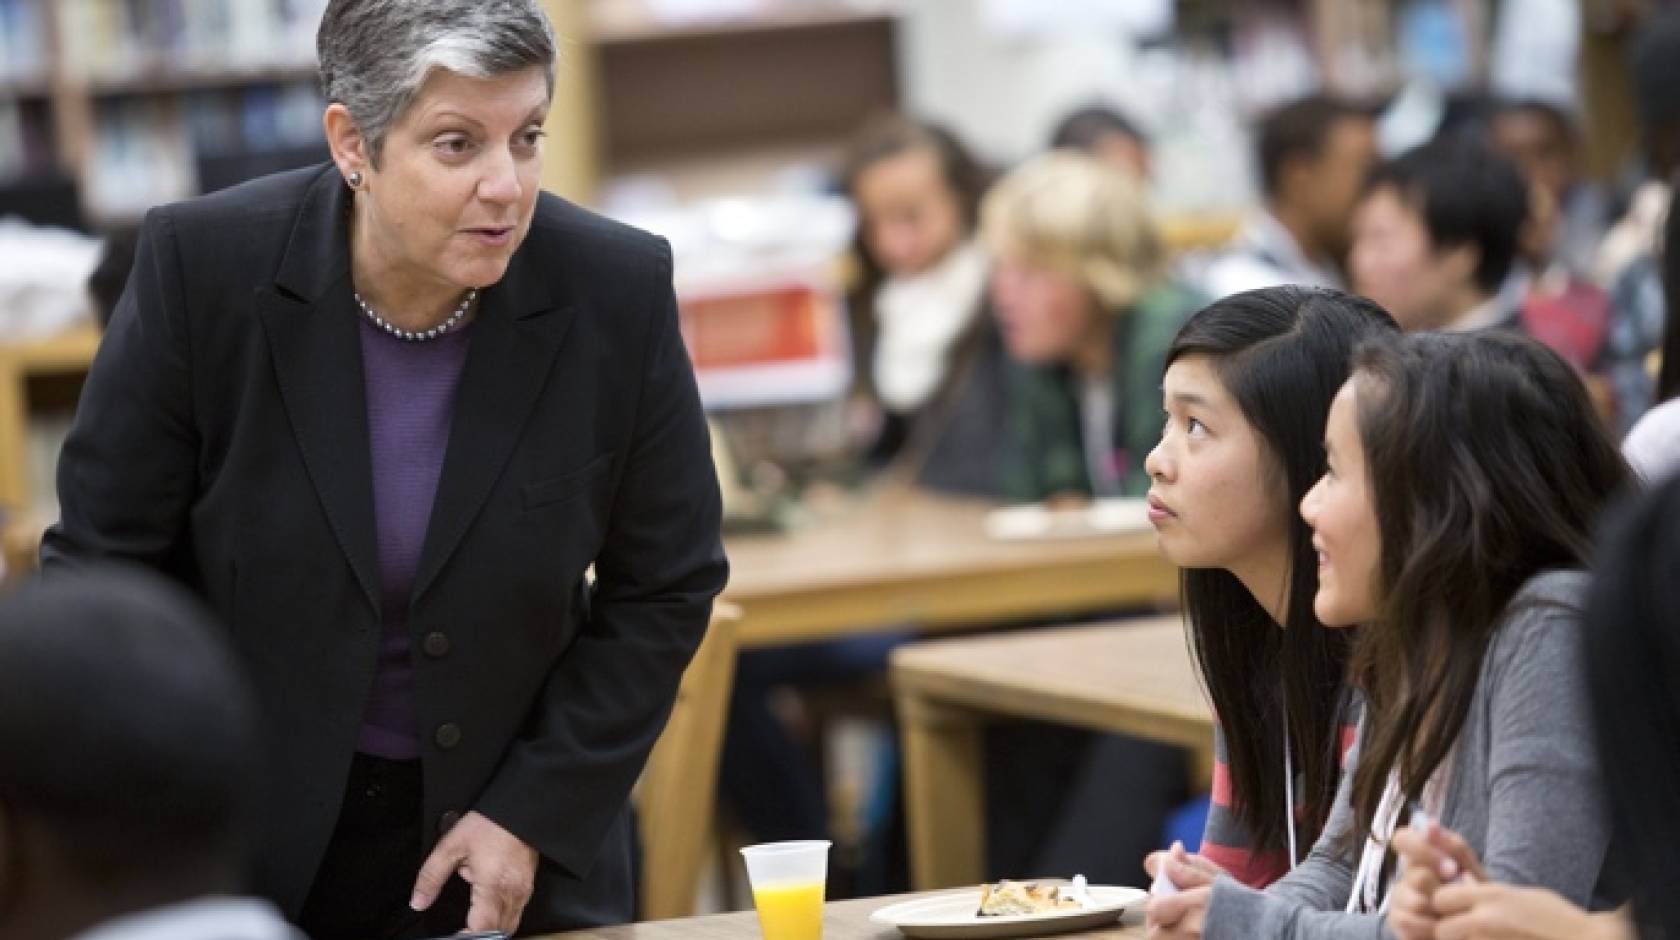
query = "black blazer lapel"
{"x": 312, "y": 325}
{"x": 516, "y": 336}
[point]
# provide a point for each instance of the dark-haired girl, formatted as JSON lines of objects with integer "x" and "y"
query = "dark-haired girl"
{"x": 1464, "y": 475}
{"x": 921, "y": 287}
{"x": 1248, "y": 384}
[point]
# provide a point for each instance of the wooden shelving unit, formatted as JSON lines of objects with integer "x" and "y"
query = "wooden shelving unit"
{"x": 793, "y": 80}
{"x": 796, "y": 77}
{"x": 169, "y": 81}
{"x": 21, "y": 364}
{"x": 98, "y": 102}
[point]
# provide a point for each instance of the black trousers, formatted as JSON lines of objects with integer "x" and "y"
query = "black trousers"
{"x": 362, "y": 888}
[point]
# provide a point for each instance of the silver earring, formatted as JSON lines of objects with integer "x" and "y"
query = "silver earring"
{"x": 355, "y": 179}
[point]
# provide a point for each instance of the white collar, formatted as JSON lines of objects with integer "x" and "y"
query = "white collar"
{"x": 1490, "y": 312}
{"x": 1267, "y": 235}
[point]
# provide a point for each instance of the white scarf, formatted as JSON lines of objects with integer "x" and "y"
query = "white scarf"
{"x": 920, "y": 318}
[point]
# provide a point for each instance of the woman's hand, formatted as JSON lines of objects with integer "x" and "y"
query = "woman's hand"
{"x": 1180, "y": 915}
{"x": 1442, "y": 851}
{"x": 1505, "y": 912}
{"x": 1197, "y": 869}
{"x": 1434, "y": 857}
{"x": 1411, "y": 903}
{"x": 498, "y": 866}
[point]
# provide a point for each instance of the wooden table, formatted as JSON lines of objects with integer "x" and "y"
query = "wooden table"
{"x": 1130, "y": 677}
{"x": 842, "y": 920}
{"x": 909, "y": 557}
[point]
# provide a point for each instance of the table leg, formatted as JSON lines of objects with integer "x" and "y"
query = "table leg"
{"x": 14, "y": 439}
{"x": 943, "y": 793}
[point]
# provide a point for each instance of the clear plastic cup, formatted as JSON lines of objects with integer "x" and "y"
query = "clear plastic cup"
{"x": 788, "y": 883}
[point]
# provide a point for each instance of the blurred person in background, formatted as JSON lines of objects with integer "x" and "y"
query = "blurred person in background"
{"x": 917, "y": 307}
{"x": 1314, "y": 154}
{"x": 1544, "y": 142}
{"x": 1652, "y": 446}
{"x": 1087, "y": 311}
{"x": 130, "y": 777}
{"x": 383, "y": 415}
{"x": 1107, "y": 134}
{"x": 1435, "y": 234}
{"x": 1627, "y": 264}
{"x": 1559, "y": 305}
{"x": 924, "y": 353}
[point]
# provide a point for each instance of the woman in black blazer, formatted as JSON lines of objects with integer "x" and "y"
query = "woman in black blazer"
{"x": 383, "y": 415}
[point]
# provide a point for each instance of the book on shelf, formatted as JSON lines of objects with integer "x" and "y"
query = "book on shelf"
{"x": 23, "y": 42}
{"x": 147, "y": 151}
{"x": 141, "y": 156}
{"x": 112, "y": 41}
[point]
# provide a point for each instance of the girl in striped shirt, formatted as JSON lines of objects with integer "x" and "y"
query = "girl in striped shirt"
{"x": 1248, "y": 385}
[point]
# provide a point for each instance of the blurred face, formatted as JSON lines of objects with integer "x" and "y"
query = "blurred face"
{"x": 910, "y": 217}
{"x": 1534, "y": 144}
{"x": 457, "y": 181}
{"x": 1046, "y": 316}
{"x": 1215, "y": 500}
{"x": 1336, "y": 179}
{"x": 1123, "y": 152}
{"x": 1344, "y": 521}
{"x": 1394, "y": 263}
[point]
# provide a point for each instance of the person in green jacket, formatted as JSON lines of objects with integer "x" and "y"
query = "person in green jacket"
{"x": 1087, "y": 311}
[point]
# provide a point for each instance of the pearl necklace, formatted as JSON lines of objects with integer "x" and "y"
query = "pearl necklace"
{"x": 423, "y": 335}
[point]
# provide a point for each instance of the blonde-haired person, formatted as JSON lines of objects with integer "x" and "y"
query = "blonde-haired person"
{"x": 1087, "y": 311}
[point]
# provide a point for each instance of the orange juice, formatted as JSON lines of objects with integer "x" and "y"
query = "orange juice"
{"x": 790, "y": 910}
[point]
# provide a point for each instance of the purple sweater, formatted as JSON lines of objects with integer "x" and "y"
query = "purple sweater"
{"x": 410, "y": 399}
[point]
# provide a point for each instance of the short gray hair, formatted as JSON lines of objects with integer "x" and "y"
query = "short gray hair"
{"x": 375, "y": 54}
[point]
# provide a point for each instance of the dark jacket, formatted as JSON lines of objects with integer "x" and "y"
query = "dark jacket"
{"x": 956, "y": 444}
{"x": 222, "y": 437}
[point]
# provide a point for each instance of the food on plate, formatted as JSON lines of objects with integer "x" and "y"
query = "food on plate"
{"x": 1026, "y": 897}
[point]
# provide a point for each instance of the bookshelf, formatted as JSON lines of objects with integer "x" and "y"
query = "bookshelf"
{"x": 124, "y": 97}
{"x": 792, "y": 74}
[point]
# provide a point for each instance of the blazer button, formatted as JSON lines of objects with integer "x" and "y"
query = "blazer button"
{"x": 436, "y": 645}
{"x": 447, "y": 821}
{"x": 448, "y": 735}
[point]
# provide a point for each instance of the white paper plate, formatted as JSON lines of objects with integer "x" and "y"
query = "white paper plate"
{"x": 953, "y": 915}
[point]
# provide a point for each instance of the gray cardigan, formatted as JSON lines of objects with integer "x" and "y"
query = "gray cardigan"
{"x": 1524, "y": 787}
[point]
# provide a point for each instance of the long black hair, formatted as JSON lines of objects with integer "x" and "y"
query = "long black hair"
{"x": 1632, "y": 630}
{"x": 1487, "y": 464}
{"x": 1281, "y": 353}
